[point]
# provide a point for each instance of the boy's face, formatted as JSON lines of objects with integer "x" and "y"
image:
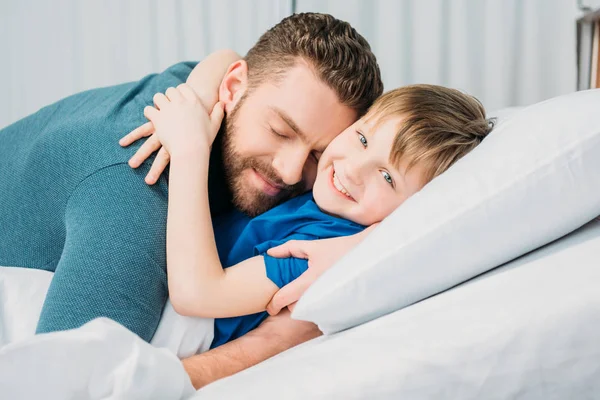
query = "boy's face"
{"x": 357, "y": 181}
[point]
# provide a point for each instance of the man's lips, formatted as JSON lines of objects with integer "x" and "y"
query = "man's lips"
{"x": 267, "y": 186}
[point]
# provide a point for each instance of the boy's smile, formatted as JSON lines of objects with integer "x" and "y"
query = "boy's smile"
{"x": 338, "y": 186}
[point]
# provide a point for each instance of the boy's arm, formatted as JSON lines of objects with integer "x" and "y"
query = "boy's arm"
{"x": 206, "y": 76}
{"x": 275, "y": 335}
{"x": 198, "y": 284}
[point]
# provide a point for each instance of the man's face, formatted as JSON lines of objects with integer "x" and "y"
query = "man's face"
{"x": 274, "y": 136}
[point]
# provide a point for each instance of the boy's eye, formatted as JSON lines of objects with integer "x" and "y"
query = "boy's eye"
{"x": 387, "y": 177}
{"x": 362, "y": 138}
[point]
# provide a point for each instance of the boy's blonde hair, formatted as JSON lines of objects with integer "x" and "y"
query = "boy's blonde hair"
{"x": 437, "y": 125}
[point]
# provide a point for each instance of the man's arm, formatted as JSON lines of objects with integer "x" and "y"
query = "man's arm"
{"x": 275, "y": 335}
{"x": 113, "y": 260}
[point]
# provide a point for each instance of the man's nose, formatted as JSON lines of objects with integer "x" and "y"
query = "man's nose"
{"x": 290, "y": 165}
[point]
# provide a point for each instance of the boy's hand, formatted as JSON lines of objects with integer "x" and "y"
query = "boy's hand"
{"x": 182, "y": 122}
{"x": 151, "y": 145}
{"x": 321, "y": 255}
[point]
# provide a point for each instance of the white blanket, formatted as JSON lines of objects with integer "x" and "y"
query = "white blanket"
{"x": 98, "y": 361}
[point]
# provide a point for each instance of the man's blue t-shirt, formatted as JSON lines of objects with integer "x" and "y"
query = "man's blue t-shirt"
{"x": 240, "y": 237}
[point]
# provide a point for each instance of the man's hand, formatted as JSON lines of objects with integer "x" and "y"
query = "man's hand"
{"x": 272, "y": 337}
{"x": 151, "y": 145}
{"x": 321, "y": 255}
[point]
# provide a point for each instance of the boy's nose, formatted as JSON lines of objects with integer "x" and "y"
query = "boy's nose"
{"x": 354, "y": 172}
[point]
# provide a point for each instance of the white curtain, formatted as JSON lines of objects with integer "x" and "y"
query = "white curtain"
{"x": 505, "y": 52}
{"x": 50, "y": 49}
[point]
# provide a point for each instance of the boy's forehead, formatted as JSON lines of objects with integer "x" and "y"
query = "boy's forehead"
{"x": 378, "y": 122}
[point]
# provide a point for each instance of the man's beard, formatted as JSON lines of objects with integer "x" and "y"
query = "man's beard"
{"x": 247, "y": 198}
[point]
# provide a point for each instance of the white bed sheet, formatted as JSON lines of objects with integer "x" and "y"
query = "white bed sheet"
{"x": 527, "y": 330}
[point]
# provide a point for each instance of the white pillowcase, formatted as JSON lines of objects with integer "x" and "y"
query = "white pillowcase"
{"x": 534, "y": 179}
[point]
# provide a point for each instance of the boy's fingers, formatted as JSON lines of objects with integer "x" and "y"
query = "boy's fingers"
{"x": 145, "y": 151}
{"x": 173, "y": 94}
{"x": 187, "y": 92}
{"x": 216, "y": 117}
{"x": 292, "y": 248}
{"x": 292, "y": 306}
{"x": 274, "y": 307}
{"x": 160, "y": 100}
{"x": 158, "y": 166}
{"x": 290, "y": 293}
{"x": 141, "y": 131}
{"x": 150, "y": 112}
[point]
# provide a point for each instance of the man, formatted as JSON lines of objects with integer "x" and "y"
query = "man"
{"x": 71, "y": 204}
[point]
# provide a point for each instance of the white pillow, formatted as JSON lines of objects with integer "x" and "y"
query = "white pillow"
{"x": 534, "y": 179}
{"x": 22, "y": 294}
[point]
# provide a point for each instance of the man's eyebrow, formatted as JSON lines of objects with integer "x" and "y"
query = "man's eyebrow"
{"x": 288, "y": 120}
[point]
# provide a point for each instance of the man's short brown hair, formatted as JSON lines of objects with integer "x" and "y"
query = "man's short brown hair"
{"x": 340, "y": 56}
{"x": 436, "y": 125}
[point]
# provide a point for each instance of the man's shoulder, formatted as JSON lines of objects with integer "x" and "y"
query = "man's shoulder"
{"x": 123, "y": 182}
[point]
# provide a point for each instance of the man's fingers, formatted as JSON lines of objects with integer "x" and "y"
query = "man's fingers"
{"x": 292, "y": 248}
{"x": 158, "y": 166}
{"x": 160, "y": 100}
{"x": 141, "y": 131}
{"x": 145, "y": 151}
{"x": 291, "y": 292}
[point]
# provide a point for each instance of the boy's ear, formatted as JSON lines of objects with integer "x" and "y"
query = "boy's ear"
{"x": 234, "y": 84}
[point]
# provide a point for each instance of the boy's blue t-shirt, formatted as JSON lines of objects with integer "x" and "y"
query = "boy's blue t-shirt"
{"x": 239, "y": 237}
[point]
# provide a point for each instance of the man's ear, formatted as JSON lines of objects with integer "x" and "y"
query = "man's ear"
{"x": 234, "y": 84}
